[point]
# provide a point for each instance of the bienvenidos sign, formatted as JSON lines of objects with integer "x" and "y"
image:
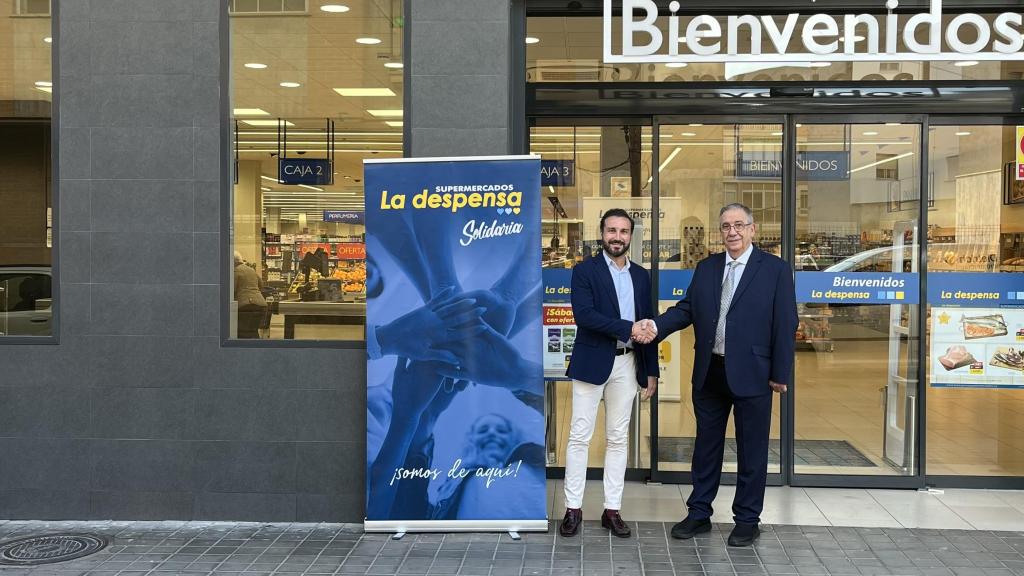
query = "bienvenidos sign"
{"x": 646, "y": 36}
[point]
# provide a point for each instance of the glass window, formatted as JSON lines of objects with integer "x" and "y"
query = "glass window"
{"x": 569, "y": 49}
{"x": 26, "y": 195}
{"x": 587, "y": 171}
{"x": 857, "y": 349}
{"x": 704, "y": 167}
{"x": 975, "y": 296}
{"x": 316, "y": 90}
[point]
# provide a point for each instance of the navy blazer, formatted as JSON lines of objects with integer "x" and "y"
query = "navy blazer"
{"x": 595, "y": 308}
{"x": 760, "y": 328}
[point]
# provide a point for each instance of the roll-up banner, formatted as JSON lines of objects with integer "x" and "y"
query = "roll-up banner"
{"x": 455, "y": 390}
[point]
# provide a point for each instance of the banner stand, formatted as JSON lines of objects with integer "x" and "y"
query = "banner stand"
{"x": 455, "y": 436}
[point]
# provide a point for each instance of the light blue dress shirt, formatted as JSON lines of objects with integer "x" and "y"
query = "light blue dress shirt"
{"x": 623, "y": 282}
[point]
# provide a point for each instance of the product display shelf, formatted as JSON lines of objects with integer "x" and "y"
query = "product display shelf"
{"x": 815, "y": 329}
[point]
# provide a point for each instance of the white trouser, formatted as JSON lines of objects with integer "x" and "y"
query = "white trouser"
{"x": 618, "y": 393}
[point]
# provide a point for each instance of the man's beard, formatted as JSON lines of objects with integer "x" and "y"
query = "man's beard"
{"x": 615, "y": 250}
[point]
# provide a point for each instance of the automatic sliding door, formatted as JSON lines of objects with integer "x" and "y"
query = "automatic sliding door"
{"x": 857, "y": 236}
{"x": 703, "y": 167}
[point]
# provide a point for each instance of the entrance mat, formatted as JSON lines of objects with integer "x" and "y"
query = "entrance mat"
{"x": 808, "y": 452}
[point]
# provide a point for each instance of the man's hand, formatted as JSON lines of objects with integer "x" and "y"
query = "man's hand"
{"x": 776, "y": 387}
{"x": 644, "y": 331}
{"x": 652, "y": 387}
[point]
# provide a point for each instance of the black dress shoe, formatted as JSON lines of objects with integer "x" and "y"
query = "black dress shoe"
{"x": 571, "y": 522}
{"x": 690, "y": 527}
{"x": 612, "y": 521}
{"x": 744, "y": 534}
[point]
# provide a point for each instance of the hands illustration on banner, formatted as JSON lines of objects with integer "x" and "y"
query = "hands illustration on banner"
{"x": 417, "y": 334}
{"x": 492, "y": 361}
{"x": 644, "y": 331}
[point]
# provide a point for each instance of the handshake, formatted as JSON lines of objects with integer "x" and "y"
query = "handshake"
{"x": 644, "y": 331}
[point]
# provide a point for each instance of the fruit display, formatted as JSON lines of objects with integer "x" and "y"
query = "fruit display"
{"x": 354, "y": 278}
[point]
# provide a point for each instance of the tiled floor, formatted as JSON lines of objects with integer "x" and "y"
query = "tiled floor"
{"x": 807, "y": 532}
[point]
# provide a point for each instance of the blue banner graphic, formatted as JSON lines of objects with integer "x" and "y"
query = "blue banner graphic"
{"x": 344, "y": 216}
{"x": 976, "y": 290}
{"x": 818, "y": 165}
{"x": 672, "y": 284}
{"x": 305, "y": 171}
{"x": 557, "y": 172}
{"x": 455, "y": 391}
{"x": 557, "y": 282}
{"x": 857, "y": 287}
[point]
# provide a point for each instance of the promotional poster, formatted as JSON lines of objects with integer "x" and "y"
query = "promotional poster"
{"x": 455, "y": 391}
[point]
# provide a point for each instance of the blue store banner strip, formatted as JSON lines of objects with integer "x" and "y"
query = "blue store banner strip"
{"x": 455, "y": 390}
{"x": 976, "y": 289}
{"x": 857, "y": 287}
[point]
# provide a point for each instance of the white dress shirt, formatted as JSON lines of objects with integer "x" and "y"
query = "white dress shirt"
{"x": 623, "y": 282}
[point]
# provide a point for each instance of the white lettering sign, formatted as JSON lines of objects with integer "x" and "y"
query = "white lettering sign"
{"x": 647, "y": 36}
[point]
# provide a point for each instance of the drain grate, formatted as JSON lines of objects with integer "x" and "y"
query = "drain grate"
{"x": 49, "y": 548}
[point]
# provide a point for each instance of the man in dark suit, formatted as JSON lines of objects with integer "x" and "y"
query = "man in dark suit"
{"x": 609, "y": 295}
{"x": 742, "y": 306}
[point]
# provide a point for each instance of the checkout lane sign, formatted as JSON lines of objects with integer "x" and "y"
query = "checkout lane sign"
{"x": 1020, "y": 152}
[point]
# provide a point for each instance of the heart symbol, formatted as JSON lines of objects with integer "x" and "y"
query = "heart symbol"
{"x": 508, "y": 210}
{"x": 500, "y": 210}
{"x": 516, "y": 210}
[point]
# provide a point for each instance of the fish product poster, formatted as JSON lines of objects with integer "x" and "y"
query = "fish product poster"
{"x": 454, "y": 333}
{"x": 977, "y": 347}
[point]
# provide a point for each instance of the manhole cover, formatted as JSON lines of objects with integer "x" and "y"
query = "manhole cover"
{"x": 49, "y": 548}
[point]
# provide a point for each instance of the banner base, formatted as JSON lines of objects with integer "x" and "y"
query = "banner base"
{"x": 455, "y": 526}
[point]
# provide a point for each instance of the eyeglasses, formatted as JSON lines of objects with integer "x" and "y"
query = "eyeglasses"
{"x": 737, "y": 226}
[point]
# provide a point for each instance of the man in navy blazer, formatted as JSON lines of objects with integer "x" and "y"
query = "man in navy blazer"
{"x": 742, "y": 306}
{"x": 610, "y": 295}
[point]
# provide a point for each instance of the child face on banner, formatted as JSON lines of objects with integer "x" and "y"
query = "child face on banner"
{"x": 493, "y": 437}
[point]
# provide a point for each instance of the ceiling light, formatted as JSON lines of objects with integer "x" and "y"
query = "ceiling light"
{"x": 695, "y": 124}
{"x": 264, "y": 188}
{"x": 870, "y": 133}
{"x": 687, "y": 133}
{"x": 334, "y": 8}
{"x": 368, "y": 41}
{"x": 251, "y": 112}
{"x": 47, "y": 89}
{"x": 893, "y": 124}
{"x": 966, "y": 63}
{"x": 395, "y": 123}
{"x": 48, "y": 40}
{"x": 963, "y": 133}
{"x": 799, "y": 125}
{"x": 44, "y": 83}
{"x": 290, "y": 84}
{"x": 776, "y": 133}
{"x": 532, "y": 40}
{"x": 676, "y": 65}
{"x": 364, "y": 92}
{"x": 386, "y": 113}
{"x": 255, "y": 65}
{"x": 393, "y": 65}
{"x": 265, "y": 123}
{"x": 820, "y": 64}
{"x": 866, "y": 166}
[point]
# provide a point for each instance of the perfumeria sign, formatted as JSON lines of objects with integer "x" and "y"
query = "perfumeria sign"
{"x": 647, "y": 36}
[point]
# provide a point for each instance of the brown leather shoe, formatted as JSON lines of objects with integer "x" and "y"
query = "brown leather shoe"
{"x": 571, "y": 522}
{"x": 612, "y": 521}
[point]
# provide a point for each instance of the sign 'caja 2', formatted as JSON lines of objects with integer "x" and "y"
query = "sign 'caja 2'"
{"x": 647, "y": 36}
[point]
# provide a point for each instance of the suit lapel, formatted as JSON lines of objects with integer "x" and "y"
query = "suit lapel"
{"x": 718, "y": 269}
{"x": 604, "y": 276}
{"x": 753, "y": 264}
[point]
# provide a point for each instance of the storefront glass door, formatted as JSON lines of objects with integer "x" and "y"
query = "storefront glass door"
{"x": 857, "y": 238}
{"x": 704, "y": 164}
